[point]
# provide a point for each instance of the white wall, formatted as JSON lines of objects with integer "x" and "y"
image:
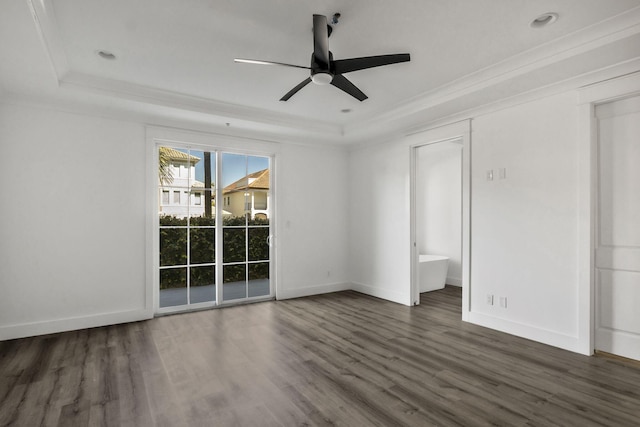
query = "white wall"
{"x": 524, "y": 241}
{"x": 439, "y": 204}
{"x": 524, "y": 228}
{"x": 73, "y": 230}
{"x": 312, "y": 202}
{"x": 379, "y": 231}
{"x": 72, "y": 234}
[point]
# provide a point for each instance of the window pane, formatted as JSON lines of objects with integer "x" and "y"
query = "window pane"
{"x": 259, "y": 219}
{"x": 235, "y": 284}
{"x": 173, "y": 167}
{"x": 202, "y": 242}
{"x": 203, "y": 176}
{"x": 234, "y": 221}
{"x": 259, "y": 279}
{"x": 171, "y": 220}
{"x": 258, "y": 247}
{"x": 166, "y": 170}
{"x": 204, "y": 171}
{"x": 173, "y": 287}
{"x": 260, "y": 200}
{"x": 202, "y": 286}
{"x": 234, "y": 245}
{"x": 173, "y": 246}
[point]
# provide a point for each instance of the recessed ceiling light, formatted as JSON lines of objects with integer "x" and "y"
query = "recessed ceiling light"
{"x": 105, "y": 54}
{"x": 544, "y": 20}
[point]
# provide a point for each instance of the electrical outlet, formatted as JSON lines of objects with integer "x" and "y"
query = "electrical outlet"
{"x": 503, "y": 302}
{"x": 490, "y": 175}
{"x": 502, "y": 173}
{"x": 489, "y": 299}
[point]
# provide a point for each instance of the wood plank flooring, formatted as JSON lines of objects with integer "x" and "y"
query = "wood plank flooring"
{"x": 337, "y": 359}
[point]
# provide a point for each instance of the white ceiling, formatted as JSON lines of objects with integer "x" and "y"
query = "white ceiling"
{"x": 178, "y": 55}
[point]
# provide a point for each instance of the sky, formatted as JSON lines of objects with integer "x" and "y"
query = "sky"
{"x": 234, "y": 166}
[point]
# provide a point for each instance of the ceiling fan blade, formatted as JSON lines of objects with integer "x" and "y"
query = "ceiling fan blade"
{"x": 296, "y": 89}
{"x": 354, "y": 64}
{"x": 260, "y": 62}
{"x": 321, "y": 41}
{"x": 342, "y": 83}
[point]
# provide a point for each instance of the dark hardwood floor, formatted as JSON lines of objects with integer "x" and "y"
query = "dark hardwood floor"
{"x": 336, "y": 359}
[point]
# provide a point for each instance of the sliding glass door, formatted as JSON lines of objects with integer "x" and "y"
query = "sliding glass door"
{"x": 214, "y": 240}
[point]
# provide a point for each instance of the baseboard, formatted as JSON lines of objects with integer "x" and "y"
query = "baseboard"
{"x": 454, "y": 281}
{"x": 545, "y": 336}
{"x": 623, "y": 344}
{"x": 384, "y": 293}
{"x": 306, "y": 291}
{"x": 70, "y": 324}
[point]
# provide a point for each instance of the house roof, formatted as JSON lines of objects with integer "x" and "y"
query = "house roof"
{"x": 254, "y": 181}
{"x": 173, "y": 154}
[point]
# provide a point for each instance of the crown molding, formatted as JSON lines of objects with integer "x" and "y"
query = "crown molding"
{"x": 163, "y": 117}
{"x": 597, "y": 35}
{"x": 224, "y": 111}
{"x": 625, "y": 72}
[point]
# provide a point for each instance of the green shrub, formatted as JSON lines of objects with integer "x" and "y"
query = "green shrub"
{"x": 174, "y": 235}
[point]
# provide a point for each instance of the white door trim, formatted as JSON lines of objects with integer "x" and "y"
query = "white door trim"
{"x": 588, "y": 98}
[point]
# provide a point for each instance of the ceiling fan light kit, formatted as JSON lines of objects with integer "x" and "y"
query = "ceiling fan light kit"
{"x": 322, "y": 78}
{"x": 324, "y": 70}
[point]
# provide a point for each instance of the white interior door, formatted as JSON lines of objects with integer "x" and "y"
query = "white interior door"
{"x": 618, "y": 229}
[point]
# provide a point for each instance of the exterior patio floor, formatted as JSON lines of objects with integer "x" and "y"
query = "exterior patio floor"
{"x": 230, "y": 291}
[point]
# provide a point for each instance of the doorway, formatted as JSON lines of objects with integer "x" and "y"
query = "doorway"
{"x": 439, "y": 214}
{"x": 617, "y": 237}
{"x": 215, "y": 211}
{"x": 453, "y": 142}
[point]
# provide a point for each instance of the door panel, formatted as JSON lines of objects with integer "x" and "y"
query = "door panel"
{"x": 246, "y": 211}
{"x": 618, "y": 236}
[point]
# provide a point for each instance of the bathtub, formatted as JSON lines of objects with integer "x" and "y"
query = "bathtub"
{"x": 432, "y": 272}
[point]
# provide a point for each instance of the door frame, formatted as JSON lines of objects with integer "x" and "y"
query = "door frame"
{"x": 588, "y": 98}
{"x": 456, "y": 131}
{"x": 157, "y": 135}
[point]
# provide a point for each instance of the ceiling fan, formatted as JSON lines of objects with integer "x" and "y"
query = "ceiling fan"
{"x": 325, "y": 70}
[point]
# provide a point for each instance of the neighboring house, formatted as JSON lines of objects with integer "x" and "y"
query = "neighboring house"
{"x": 181, "y": 195}
{"x": 249, "y": 194}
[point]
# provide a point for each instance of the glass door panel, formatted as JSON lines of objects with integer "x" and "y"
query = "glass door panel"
{"x": 186, "y": 185}
{"x": 246, "y": 215}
